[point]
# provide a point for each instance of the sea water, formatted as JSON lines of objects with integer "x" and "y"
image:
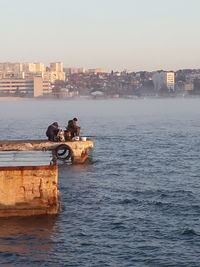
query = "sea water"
{"x": 136, "y": 203}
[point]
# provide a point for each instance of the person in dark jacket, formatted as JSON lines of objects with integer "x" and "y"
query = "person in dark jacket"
{"x": 73, "y": 128}
{"x": 52, "y": 132}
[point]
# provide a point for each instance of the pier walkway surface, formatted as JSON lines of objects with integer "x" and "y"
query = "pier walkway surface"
{"x": 78, "y": 150}
{"x": 25, "y": 145}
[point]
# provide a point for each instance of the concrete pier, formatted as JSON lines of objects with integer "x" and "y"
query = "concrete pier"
{"x": 33, "y": 190}
{"x": 78, "y": 149}
{"x": 27, "y": 190}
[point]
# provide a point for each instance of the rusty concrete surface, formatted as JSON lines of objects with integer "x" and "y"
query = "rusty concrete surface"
{"x": 29, "y": 190}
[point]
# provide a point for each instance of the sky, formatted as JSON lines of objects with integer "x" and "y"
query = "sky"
{"x": 115, "y": 35}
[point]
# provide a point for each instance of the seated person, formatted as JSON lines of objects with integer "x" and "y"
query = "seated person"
{"x": 72, "y": 129}
{"x": 52, "y": 132}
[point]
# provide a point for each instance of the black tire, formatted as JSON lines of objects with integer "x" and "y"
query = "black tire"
{"x": 63, "y": 152}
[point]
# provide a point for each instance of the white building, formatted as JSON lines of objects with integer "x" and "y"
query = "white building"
{"x": 97, "y": 70}
{"x": 28, "y": 87}
{"x": 56, "y": 66}
{"x": 163, "y": 79}
{"x": 75, "y": 70}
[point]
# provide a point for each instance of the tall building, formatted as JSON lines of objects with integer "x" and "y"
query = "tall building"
{"x": 28, "y": 67}
{"x": 11, "y": 67}
{"x": 57, "y": 69}
{"x": 39, "y": 67}
{"x": 56, "y": 66}
{"x": 170, "y": 80}
{"x": 33, "y": 67}
{"x": 163, "y": 79}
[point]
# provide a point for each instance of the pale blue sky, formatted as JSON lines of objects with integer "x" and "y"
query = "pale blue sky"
{"x": 112, "y": 34}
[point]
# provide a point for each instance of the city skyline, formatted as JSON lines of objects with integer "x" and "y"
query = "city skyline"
{"x": 36, "y": 80}
{"x": 39, "y": 66}
{"x": 113, "y": 35}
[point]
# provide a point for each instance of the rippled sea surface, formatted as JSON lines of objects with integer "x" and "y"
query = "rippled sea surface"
{"x": 136, "y": 204}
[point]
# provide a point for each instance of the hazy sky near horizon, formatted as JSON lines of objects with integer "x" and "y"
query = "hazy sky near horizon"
{"x": 111, "y": 34}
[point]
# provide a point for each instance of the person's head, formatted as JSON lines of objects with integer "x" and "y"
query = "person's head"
{"x": 75, "y": 119}
{"x": 55, "y": 124}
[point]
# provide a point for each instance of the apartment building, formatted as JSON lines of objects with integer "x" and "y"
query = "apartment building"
{"x": 27, "y": 87}
{"x": 11, "y": 67}
{"x": 74, "y": 70}
{"x": 56, "y": 66}
{"x": 163, "y": 79}
{"x": 57, "y": 69}
{"x": 98, "y": 70}
{"x": 30, "y": 79}
{"x": 39, "y": 67}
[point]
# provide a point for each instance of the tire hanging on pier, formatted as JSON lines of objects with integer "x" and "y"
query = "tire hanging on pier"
{"x": 63, "y": 152}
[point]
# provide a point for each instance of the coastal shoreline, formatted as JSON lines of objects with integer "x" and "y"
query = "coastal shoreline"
{"x": 2, "y": 98}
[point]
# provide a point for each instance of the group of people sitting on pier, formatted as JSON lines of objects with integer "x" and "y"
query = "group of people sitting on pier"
{"x": 55, "y": 134}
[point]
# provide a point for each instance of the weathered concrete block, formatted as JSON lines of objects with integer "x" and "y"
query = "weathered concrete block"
{"x": 28, "y": 190}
